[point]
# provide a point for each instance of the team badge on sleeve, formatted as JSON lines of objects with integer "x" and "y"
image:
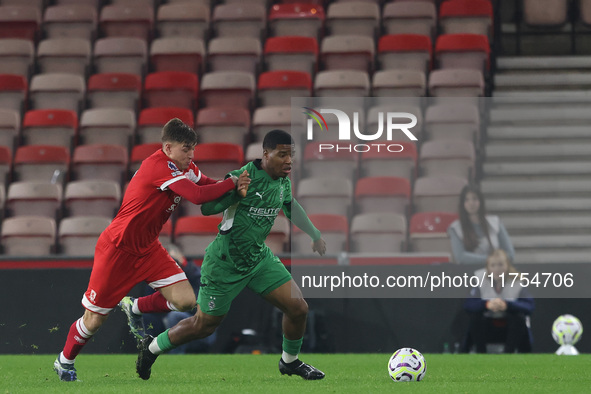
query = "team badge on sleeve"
{"x": 174, "y": 169}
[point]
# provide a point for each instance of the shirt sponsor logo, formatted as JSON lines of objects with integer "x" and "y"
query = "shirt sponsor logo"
{"x": 174, "y": 169}
{"x": 263, "y": 211}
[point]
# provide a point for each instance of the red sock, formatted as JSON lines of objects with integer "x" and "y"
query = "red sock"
{"x": 77, "y": 338}
{"x": 154, "y": 303}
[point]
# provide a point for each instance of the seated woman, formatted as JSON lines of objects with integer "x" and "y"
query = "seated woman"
{"x": 499, "y": 313}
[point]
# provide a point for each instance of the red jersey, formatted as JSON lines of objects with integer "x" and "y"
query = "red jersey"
{"x": 148, "y": 203}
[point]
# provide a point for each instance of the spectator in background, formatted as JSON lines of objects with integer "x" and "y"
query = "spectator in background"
{"x": 499, "y": 310}
{"x": 475, "y": 234}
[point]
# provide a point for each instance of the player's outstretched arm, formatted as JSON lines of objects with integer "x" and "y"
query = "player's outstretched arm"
{"x": 200, "y": 194}
{"x": 224, "y": 202}
{"x": 242, "y": 185}
{"x": 298, "y": 216}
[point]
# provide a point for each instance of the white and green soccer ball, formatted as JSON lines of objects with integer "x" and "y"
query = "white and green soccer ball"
{"x": 567, "y": 330}
{"x": 407, "y": 365}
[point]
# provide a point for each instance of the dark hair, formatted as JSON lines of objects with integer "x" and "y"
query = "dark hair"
{"x": 177, "y": 131}
{"x": 470, "y": 237}
{"x": 276, "y": 137}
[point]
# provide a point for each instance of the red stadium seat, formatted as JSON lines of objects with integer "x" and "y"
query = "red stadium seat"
{"x": 405, "y": 51}
{"x": 466, "y": 16}
{"x": 41, "y": 163}
{"x": 57, "y": 127}
{"x": 194, "y": 234}
{"x": 291, "y": 53}
{"x": 13, "y": 92}
{"x": 382, "y": 194}
{"x": 278, "y": 87}
{"x": 120, "y": 90}
{"x": 296, "y": 20}
{"x": 9, "y": 131}
{"x": 335, "y": 231}
{"x": 151, "y": 121}
{"x": 428, "y": 232}
{"x": 463, "y": 51}
{"x": 171, "y": 89}
{"x": 140, "y": 152}
{"x": 127, "y": 21}
{"x": 216, "y": 159}
{"x": 107, "y": 162}
{"x": 223, "y": 124}
{"x": 20, "y": 21}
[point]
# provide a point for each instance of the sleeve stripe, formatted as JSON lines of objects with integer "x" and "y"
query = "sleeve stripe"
{"x": 165, "y": 185}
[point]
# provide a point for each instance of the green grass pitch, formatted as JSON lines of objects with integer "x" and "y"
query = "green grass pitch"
{"x": 345, "y": 373}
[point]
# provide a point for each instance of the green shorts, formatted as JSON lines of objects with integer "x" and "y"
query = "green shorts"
{"x": 221, "y": 281}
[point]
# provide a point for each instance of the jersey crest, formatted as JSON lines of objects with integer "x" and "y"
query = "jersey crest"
{"x": 174, "y": 169}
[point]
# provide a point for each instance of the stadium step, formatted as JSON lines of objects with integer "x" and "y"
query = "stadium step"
{"x": 537, "y": 167}
{"x": 514, "y": 63}
{"x": 542, "y": 81}
{"x": 549, "y": 241}
{"x": 539, "y": 205}
{"x": 533, "y": 133}
{"x": 527, "y": 150}
{"x": 536, "y": 187}
{"x": 547, "y": 224}
{"x": 553, "y": 256}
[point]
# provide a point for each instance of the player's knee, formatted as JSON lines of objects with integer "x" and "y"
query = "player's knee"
{"x": 186, "y": 304}
{"x": 298, "y": 310}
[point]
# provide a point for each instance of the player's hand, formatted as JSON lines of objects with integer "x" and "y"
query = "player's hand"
{"x": 242, "y": 185}
{"x": 319, "y": 246}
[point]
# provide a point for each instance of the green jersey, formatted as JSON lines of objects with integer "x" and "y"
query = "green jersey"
{"x": 247, "y": 223}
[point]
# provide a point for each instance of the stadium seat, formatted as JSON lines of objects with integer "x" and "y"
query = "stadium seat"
{"x": 378, "y": 232}
{"x": 545, "y": 13}
{"x": 463, "y": 51}
{"x": 265, "y": 119}
{"x": 64, "y": 55}
{"x": 239, "y": 20}
{"x": 99, "y": 161}
{"x": 29, "y": 3}
{"x": 399, "y": 83}
{"x": 428, "y": 232}
{"x": 291, "y": 53}
{"x": 347, "y": 52}
{"x": 77, "y": 236}
{"x": 439, "y": 194}
{"x": 57, "y": 127}
{"x": 57, "y": 91}
{"x": 405, "y": 52}
{"x": 183, "y": 20}
{"x": 456, "y": 83}
{"x": 20, "y": 21}
{"x": 466, "y": 16}
{"x": 41, "y": 163}
{"x": 325, "y": 195}
{"x": 223, "y": 124}
{"x": 70, "y": 20}
{"x": 296, "y": 20}
{"x": 384, "y": 163}
{"x": 410, "y": 17}
{"x": 279, "y": 235}
{"x": 171, "y": 89}
{"x": 151, "y": 121}
{"x": 185, "y": 54}
{"x": 13, "y": 92}
{"x": 319, "y": 160}
{"x": 139, "y": 152}
{"x": 118, "y": 90}
{"x": 28, "y": 236}
{"x": 126, "y": 20}
{"x": 217, "y": 159}
{"x": 38, "y": 198}
{"x": 9, "y": 131}
{"x": 373, "y": 119}
{"x": 447, "y": 157}
{"x": 353, "y": 17}
{"x": 93, "y": 3}
{"x": 342, "y": 83}
{"x": 194, "y": 234}
{"x": 120, "y": 55}
{"x": 92, "y": 197}
{"x": 335, "y": 231}
{"x": 382, "y": 194}
{"x": 278, "y": 87}
{"x": 114, "y": 126}
{"x": 17, "y": 56}
{"x": 452, "y": 121}
{"x": 253, "y": 151}
{"x": 228, "y": 88}
{"x": 234, "y": 54}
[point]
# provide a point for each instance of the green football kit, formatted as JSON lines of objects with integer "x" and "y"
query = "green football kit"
{"x": 239, "y": 257}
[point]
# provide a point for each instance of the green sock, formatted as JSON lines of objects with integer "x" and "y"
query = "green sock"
{"x": 292, "y": 346}
{"x": 164, "y": 342}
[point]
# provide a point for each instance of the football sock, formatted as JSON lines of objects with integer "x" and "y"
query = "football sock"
{"x": 291, "y": 349}
{"x": 77, "y": 337}
{"x": 154, "y": 303}
{"x": 161, "y": 344}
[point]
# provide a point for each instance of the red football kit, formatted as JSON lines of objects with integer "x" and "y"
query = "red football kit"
{"x": 128, "y": 251}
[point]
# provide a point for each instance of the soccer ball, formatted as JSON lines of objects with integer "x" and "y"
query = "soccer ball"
{"x": 407, "y": 365}
{"x": 567, "y": 330}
